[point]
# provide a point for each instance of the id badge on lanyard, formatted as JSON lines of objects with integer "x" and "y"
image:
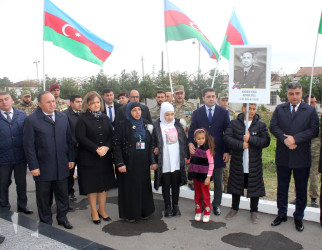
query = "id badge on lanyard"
{"x": 140, "y": 144}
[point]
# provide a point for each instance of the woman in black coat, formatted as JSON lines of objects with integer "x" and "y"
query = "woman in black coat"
{"x": 171, "y": 173}
{"x": 133, "y": 156}
{"x": 246, "y": 148}
{"x": 94, "y": 134}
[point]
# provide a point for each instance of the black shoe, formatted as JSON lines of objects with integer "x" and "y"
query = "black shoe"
{"x": 106, "y": 219}
{"x": 217, "y": 211}
{"x": 167, "y": 211}
{"x": 191, "y": 186}
{"x": 314, "y": 202}
{"x": 2, "y": 238}
{"x": 130, "y": 220}
{"x": 71, "y": 209}
{"x": 176, "y": 211}
{"x": 278, "y": 220}
{"x": 25, "y": 210}
{"x": 299, "y": 225}
{"x": 293, "y": 202}
{"x": 66, "y": 224}
{"x": 72, "y": 197}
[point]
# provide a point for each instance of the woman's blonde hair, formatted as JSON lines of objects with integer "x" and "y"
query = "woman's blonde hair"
{"x": 88, "y": 98}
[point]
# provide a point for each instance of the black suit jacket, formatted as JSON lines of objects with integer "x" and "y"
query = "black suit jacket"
{"x": 72, "y": 118}
{"x": 121, "y": 113}
{"x": 216, "y": 129}
{"x": 48, "y": 146}
{"x": 116, "y": 107}
{"x": 303, "y": 127}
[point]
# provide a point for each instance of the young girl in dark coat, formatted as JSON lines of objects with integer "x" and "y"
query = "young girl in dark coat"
{"x": 246, "y": 148}
{"x": 200, "y": 171}
{"x": 170, "y": 143}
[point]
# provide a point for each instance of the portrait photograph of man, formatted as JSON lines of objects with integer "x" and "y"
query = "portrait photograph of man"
{"x": 250, "y": 68}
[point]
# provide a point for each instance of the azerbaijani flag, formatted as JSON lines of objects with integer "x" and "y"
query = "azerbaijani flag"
{"x": 178, "y": 27}
{"x": 63, "y": 31}
{"x": 235, "y": 35}
{"x": 320, "y": 26}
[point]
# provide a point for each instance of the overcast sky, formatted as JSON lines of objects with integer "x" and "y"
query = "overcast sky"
{"x": 136, "y": 29}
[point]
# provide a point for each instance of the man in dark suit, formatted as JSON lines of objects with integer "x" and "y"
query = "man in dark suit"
{"x": 110, "y": 107}
{"x": 134, "y": 97}
{"x": 12, "y": 156}
{"x": 215, "y": 119}
{"x": 250, "y": 76}
{"x": 73, "y": 113}
{"x": 294, "y": 124}
{"x": 49, "y": 150}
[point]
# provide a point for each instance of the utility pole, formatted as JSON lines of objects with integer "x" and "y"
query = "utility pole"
{"x": 142, "y": 67}
{"x": 36, "y": 61}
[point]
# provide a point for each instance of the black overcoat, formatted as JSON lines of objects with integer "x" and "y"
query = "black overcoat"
{"x": 259, "y": 139}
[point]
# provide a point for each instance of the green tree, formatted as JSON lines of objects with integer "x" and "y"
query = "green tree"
{"x": 146, "y": 88}
{"x": 285, "y": 80}
{"x": 68, "y": 87}
{"x": 4, "y": 83}
{"x": 14, "y": 95}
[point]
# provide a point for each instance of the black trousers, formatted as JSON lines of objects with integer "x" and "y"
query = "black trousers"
{"x": 171, "y": 180}
{"x": 301, "y": 177}
{"x": 44, "y": 197}
{"x": 253, "y": 200}
{"x": 20, "y": 171}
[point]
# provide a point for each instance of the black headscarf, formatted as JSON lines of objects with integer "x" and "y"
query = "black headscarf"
{"x": 138, "y": 125}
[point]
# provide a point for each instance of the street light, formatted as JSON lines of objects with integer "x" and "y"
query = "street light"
{"x": 36, "y": 61}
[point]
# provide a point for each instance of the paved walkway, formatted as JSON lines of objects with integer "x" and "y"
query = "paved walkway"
{"x": 24, "y": 232}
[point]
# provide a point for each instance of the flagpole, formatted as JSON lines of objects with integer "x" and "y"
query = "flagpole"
{"x": 43, "y": 49}
{"x": 214, "y": 78}
{"x": 166, "y": 44}
{"x": 311, "y": 81}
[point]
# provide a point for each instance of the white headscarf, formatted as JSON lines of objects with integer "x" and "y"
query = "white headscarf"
{"x": 165, "y": 107}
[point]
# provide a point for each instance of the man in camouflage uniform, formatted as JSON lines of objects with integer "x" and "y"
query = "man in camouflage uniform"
{"x": 61, "y": 105}
{"x": 222, "y": 101}
{"x": 315, "y": 153}
{"x": 155, "y": 111}
{"x": 183, "y": 110}
{"x": 25, "y": 103}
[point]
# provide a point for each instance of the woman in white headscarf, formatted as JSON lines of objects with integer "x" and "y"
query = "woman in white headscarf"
{"x": 170, "y": 143}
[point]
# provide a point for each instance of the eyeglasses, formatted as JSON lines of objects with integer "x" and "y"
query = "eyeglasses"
{"x": 135, "y": 97}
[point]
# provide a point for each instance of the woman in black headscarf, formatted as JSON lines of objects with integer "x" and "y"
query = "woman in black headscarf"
{"x": 133, "y": 156}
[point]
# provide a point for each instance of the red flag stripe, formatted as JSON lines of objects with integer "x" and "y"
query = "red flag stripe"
{"x": 233, "y": 35}
{"x": 174, "y": 18}
{"x": 57, "y": 24}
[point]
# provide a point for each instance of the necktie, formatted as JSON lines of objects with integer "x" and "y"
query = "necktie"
{"x": 51, "y": 117}
{"x": 110, "y": 113}
{"x": 8, "y": 116}
{"x": 293, "y": 110}
{"x": 245, "y": 75}
{"x": 209, "y": 116}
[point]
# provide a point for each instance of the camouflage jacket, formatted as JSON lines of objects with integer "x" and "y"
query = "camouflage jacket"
{"x": 61, "y": 105}
{"x": 232, "y": 114}
{"x": 155, "y": 112}
{"x": 28, "y": 108}
{"x": 316, "y": 142}
{"x": 184, "y": 111}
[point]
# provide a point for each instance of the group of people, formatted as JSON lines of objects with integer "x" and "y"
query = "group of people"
{"x": 116, "y": 144}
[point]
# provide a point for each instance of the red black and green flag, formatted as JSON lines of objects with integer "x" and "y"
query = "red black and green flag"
{"x": 178, "y": 27}
{"x": 320, "y": 26}
{"x": 63, "y": 31}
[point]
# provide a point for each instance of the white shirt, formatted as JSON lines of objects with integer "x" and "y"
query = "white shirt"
{"x": 171, "y": 152}
{"x": 296, "y": 107}
{"x": 246, "y": 153}
{"x": 108, "y": 112}
{"x": 10, "y": 113}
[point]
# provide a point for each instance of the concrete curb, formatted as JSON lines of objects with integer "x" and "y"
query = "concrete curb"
{"x": 265, "y": 206}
